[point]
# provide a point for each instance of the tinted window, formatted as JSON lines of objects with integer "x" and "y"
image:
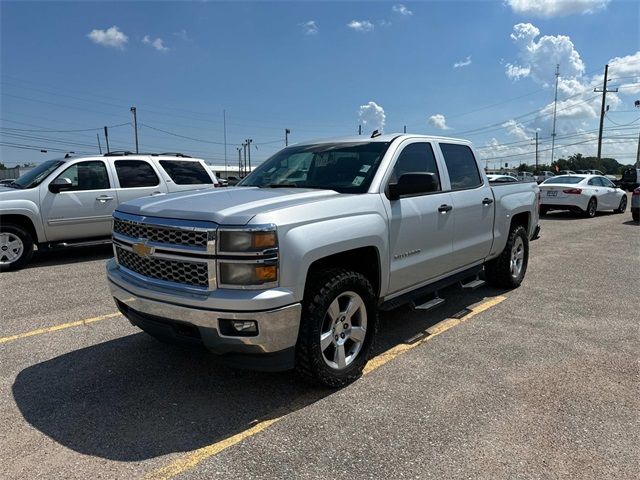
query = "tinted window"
{"x": 35, "y": 176}
{"x": 564, "y": 179}
{"x": 186, "y": 173}
{"x": 595, "y": 181}
{"x": 135, "y": 173}
{"x": 607, "y": 183}
{"x": 343, "y": 167}
{"x": 90, "y": 175}
{"x": 416, "y": 158}
{"x": 461, "y": 165}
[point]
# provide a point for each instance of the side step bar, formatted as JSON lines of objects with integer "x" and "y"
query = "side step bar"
{"x": 86, "y": 243}
{"x": 429, "y": 304}
{"x": 473, "y": 284}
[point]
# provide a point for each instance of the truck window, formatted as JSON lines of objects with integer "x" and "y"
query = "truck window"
{"x": 461, "y": 165}
{"x": 90, "y": 175}
{"x": 186, "y": 173}
{"x": 416, "y": 158}
{"x": 135, "y": 173}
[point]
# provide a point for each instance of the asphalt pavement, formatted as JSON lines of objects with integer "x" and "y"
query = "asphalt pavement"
{"x": 539, "y": 382}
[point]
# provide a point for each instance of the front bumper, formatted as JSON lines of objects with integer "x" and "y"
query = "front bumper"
{"x": 275, "y": 340}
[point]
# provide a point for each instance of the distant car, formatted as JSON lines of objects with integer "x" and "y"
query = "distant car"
{"x": 635, "y": 205}
{"x": 231, "y": 181}
{"x": 542, "y": 176}
{"x": 566, "y": 172}
{"x": 7, "y": 181}
{"x": 630, "y": 179}
{"x": 594, "y": 172}
{"x": 525, "y": 177}
{"x": 501, "y": 178}
{"x": 587, "y": 194}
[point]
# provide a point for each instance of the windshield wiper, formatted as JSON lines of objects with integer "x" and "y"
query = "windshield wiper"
{"x": 13, "y": 185}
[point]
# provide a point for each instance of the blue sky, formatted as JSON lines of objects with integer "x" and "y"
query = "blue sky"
{"x": 308, "y": 67}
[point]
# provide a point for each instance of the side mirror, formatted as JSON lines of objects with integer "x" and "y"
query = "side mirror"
{"x": 413, "y": 184}
{"x": 60, "y": 184}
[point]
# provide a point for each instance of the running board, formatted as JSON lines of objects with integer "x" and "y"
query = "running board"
{"x": 430, "y": 304}
{"x": 473, "y": 284}
{"x": 87, "y": 243}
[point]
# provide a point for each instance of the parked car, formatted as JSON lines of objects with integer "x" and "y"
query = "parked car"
{"x": 542, "y": 176}
{"x": 566, "y": 172}
{"x": 501, "y": 178}
{"x": 635, "y": 205}
{"x": 7, "y": 181}
{"x": 278, "y": 274}
{"x": 630, "y": 179}
{"x": 587, "y": 194}
{"x": 69, "y": 201}
{"x": 525, "y": 177}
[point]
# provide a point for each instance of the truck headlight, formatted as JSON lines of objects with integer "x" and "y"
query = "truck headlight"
{"x": 248, "y": 274}
{"x": 247, "y": 241}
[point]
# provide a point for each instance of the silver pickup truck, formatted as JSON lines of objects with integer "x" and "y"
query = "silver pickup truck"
{"x": 290, "y": 268}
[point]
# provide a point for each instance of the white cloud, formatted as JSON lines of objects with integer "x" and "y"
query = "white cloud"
{"x": 555, "y": 8}
{"x": 158, "y": 44}
{"x": 463, "y": 63}
{"x": 372, "y": 116}
{"x": 402, "y": 10}
{"x": 111, "y": 37}
{"x": 516, "y": 130}
{"x": 439, "y": 121}
{"x": 361, "y": 25}
{"x": 310, "y": 27}
{"x": 537, "y": 58}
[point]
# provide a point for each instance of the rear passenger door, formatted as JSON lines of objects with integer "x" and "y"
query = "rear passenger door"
{"x": 419, "y": 234}
{"x": 185, "y": 175}
{"x": 473, "y": 208}
{"x": 137, "y": 178}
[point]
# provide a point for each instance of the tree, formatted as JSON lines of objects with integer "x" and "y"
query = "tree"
{"x": 523, "y": 167}
{"x": 2, "y": 166}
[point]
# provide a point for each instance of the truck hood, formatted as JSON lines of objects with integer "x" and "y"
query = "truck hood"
{"x": 225, "y": 206}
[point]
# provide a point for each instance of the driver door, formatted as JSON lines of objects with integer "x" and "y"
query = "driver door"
{"x": 83, "y": 209}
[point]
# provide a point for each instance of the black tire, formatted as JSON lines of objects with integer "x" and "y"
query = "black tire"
{"x": 325, "y": 287}
{"x": 592, "y": 208}
{"x": 27, "y": 247}
{"x": 544, "y": 211}
{"x": 635, "y": 215}
{"x": 498, "y": 271}
{"x": 623, "y": 205}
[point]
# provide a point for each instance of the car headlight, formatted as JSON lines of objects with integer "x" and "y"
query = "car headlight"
{"x": 247, "y": 241}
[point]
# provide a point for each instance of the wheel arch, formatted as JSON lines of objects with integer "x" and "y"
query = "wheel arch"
{"x": 22, "y": 221}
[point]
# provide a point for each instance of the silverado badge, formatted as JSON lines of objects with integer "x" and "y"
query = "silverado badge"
{"x": 143, "y": 249}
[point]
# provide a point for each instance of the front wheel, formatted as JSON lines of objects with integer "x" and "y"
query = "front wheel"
{"x": 16, "y": 247}
{"x": 507, "y": 270}
{"x": 337, "y": 330}
{"x": 623, "y": 205}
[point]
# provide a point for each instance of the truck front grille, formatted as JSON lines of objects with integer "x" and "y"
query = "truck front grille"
{"x": 182, "y": 272}
{"x": 153, "y": 233}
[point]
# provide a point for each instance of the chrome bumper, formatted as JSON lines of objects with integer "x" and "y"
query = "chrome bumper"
{"x": 277, "y": 328}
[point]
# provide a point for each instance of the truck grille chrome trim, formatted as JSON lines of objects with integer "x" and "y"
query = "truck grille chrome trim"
{"x": 193, "y": 273}
{"x": 190, "y": 238}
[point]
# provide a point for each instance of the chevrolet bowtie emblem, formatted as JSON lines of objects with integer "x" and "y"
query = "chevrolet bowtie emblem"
{"x": 143, "y": 249}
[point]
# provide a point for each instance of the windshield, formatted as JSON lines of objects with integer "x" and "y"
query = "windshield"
{"x": 35, "y": 176}
{"x": 343, "y": 167}
{"x": 564, "y": 179}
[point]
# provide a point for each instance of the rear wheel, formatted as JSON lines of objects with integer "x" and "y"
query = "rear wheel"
{"x": 623, "y": 205}
{"x": 337, "y": 330}
{"x": 508, "y": 269}
{"x": 592, "y": 208}
{"x": 544, "y": 210}
{"x": 16, "y": 247}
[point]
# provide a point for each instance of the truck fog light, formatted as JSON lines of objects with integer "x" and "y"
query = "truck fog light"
{"x": 245, "y": 326}
{"x": 247, "y": 273}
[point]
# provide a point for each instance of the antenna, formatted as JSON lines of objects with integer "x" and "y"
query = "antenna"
{"x": 375, "y": 133}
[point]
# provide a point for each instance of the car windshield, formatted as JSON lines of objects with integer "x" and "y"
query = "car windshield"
{"x": 343, "y": 167}
{"x": 564, "y": 179}
{"x": 36, "y": 175}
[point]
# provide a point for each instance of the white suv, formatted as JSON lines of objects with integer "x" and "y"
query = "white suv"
{"x": 69, "y": 201}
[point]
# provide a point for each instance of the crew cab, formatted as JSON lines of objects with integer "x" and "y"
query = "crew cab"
{"x": 290, "y": 268}
{"x": 69, "y": 201}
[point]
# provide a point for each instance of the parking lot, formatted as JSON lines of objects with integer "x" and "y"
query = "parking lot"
{"x": 540, "y": 382}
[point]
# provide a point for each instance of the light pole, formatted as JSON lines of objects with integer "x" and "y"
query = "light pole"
{"x": 135, "y": 125}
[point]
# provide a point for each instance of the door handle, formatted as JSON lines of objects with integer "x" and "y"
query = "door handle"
{"x": 487, "y": 201}
{"x": 153, "y": 194}
{"x": 104, "y": 198}
{"x": 445, "y": 208}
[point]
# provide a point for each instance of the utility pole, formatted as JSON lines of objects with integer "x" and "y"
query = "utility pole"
{"x": 359, "y": 129}
{"x": 405, "y": 129}
{"x": 224, "y": 122}
{"x": 555, "y": 106}
{"x": 135, "y": 125}
{"x": 244, "y": 163}
{"x": 99, "y": 146}
{"x": 604, "y": 91}
{"x": 286, "y": 137}
{"x": 239, "y": 159}
{"x": 249, "y": 150}
{"x": 536, "y": 153}
{"x": 637, "y": 104}
{"x": 106, "y": 137}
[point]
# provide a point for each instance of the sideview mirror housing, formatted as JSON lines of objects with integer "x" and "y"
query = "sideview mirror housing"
{"x": 60, "y": 184}
{"x": 413, "y": 183}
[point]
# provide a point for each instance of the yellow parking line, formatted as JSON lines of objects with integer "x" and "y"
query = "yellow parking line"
{"x": 192, "y": 459}
{"x": 55, "y": 328}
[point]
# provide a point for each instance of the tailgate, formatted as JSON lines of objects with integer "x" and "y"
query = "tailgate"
{"x": 550, "y": 192}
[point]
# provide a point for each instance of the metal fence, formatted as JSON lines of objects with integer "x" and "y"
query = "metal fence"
{"x": 9, "y": 173}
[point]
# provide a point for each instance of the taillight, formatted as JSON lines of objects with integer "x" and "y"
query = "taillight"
{"x": 216, "y": 185}
{"x": 636, "y": 193}
{"x": 573, "y": 191}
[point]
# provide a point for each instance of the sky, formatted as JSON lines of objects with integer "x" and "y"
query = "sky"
{"x": 481, "y": 70}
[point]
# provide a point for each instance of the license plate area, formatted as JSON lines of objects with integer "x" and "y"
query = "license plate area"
{"x": 552, "y": 193}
